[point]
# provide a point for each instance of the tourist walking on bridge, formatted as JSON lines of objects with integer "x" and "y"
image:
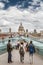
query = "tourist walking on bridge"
{"x": 9, "y": 50}
{"x": 31, "y": 52}
{"x": 21, "y": 51}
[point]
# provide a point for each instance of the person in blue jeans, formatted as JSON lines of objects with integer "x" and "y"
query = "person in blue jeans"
{"x": 31, "y": 52}
{"x": 9, "y": 50}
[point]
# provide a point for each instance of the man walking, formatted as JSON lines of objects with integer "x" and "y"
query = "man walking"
{"x": 9, "y": 50}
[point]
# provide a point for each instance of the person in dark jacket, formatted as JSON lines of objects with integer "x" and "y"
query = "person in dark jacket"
{"x": 9, "y": 50}
{"x": 31, "y": 52}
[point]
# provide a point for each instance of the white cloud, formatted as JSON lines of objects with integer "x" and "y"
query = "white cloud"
{"x": 1, "y": 5}
{"x": 13, "y": 16}
{"x": 36, "y": 0}
{"x": 41, "y": 5}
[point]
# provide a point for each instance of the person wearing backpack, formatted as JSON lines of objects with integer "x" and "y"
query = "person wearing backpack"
{"x": 21, "y": 52}
{"x": 31, "y": 52}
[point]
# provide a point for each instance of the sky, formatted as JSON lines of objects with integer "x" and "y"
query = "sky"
{"x": 13, "y": 12}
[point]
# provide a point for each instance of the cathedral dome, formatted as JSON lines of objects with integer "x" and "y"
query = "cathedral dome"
{"x": 21, "y": 30}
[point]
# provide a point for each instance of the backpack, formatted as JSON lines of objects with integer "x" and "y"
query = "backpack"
{"x": 21, "y": 51}
{"x": 31, "y": 49}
